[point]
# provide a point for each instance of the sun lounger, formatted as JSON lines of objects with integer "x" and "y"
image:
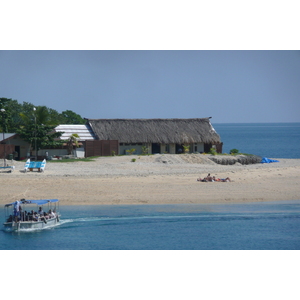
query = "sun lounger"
{"x": 39, "y": 165}
{"x": 7, "y": 168}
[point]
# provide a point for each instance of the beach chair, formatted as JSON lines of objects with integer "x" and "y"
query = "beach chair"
{"x": 9, "y": 169}
{"x": 27, "y": 165}
{"x": 39, "y": 165}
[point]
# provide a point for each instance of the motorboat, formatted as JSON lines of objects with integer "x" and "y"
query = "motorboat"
{"x": 31, "y": 214}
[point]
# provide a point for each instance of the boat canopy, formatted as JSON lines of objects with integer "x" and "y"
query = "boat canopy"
{"x": 37, "y": 202}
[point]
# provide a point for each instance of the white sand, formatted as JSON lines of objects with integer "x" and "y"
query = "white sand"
{"x": 155, "y": 179}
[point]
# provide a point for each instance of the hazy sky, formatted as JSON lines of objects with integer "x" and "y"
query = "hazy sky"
{"x": 229, "y": 86}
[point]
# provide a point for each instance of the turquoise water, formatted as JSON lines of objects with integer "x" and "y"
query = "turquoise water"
{"x": 272, "y": 140}
{"x": 255, "y": 226}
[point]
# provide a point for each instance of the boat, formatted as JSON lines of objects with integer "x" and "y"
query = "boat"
{"x": 30, "y": 214}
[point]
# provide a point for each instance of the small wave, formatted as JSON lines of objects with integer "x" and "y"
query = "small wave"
{"x": 129, "y": 218}
{"x": 204, "y": 217}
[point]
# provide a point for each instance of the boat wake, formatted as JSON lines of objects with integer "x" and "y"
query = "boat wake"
{"x": 172, "y": 218}
{"x": 132, "y": 218}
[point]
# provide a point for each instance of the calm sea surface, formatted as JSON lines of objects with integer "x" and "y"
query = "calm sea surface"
{"x": 272, "y": 140}
{"x": 274, "y": 225}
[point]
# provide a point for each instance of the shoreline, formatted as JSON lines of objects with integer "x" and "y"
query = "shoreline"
{"x": 157, "y": 179}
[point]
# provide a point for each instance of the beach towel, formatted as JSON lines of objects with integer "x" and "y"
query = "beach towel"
{"x": 268, "y": 160}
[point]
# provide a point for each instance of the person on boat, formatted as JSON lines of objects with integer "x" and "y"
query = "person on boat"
{"x": 16, "y": 210}
{"x": 26, "y": 216}
{"x": 35, "y": 216}
{"x": 21, "y": 214}
{"x": 52, "y": 213}
{"x": 40, "y": 212}
{"x": 30, "y": 215}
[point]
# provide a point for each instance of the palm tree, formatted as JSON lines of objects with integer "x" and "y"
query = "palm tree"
{"x": 72, "y": 141}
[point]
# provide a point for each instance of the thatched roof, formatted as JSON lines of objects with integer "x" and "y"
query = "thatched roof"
{"x": 163, "y": 131}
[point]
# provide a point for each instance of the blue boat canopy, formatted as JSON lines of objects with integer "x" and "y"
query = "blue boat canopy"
{"x": 37, "y": 202}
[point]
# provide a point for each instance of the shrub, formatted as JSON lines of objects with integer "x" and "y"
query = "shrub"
{"x": 186, "y": 148}
{"x": 133, "y": 160}
{"x": 234, "y": 151}
{"x": 213, "y": 151}
{"x": 144, "y": 150}
{"x": 130, "y": 151}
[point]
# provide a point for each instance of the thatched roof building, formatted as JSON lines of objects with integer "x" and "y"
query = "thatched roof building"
{"x": 163, "y": 131}
{"x": 156, "y": 131}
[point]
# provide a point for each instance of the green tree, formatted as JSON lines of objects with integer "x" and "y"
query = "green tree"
{"x": 70, "y": 117}
{"x": 5, "y": 115}
{"x": 39, "y": 115}
{"x": 38, "y": 128}
{"x": 17, "y": 115}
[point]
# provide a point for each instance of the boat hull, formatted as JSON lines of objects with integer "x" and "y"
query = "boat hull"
{"x": 26, "y": 225}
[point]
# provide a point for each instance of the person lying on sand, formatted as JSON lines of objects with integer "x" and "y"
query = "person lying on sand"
{"x": 208, "y": 178}
{"x": 222, "y": 179}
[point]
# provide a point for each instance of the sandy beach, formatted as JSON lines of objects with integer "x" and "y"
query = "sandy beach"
{"x": 154, "y": 179}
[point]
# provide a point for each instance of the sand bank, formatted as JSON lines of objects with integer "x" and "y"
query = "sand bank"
{"x": 156, "y": 179}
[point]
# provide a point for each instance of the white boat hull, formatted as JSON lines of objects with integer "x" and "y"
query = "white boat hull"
{"x": 23, "y": 225}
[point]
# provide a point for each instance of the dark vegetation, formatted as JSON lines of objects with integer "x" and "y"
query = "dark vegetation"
{"x": 35, "y": 124}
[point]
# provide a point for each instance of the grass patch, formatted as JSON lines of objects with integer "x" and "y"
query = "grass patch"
{"x": 67, "y": 160}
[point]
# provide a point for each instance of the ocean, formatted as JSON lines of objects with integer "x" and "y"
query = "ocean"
{"x": 252, "y": 226}
{"x": 272, "y": 140}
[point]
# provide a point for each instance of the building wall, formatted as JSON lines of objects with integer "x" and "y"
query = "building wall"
{"x": 198, "y": 147}
{"x": 171, "y": 148}
{"x": 123, "y": 147}
{"x": 52, "y": 152}
{"x": 164, "y": 148}
{"x": 24, "y": 146}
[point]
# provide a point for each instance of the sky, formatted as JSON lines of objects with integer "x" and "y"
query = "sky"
{"x": 229, "y": 86}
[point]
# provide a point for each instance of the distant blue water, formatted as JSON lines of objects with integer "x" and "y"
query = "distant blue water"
{"x": 255, "y": 226}
{"x": 272, "y": 140}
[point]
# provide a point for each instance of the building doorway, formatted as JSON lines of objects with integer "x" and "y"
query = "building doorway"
{"x": 155, "y": 148}
{"x": 207, "y": 147}
{"x": 17, "y": 153}
{"x": 179, "y": 148}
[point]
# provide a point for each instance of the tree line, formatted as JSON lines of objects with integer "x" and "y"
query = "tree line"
{"x": 35, "y": 124}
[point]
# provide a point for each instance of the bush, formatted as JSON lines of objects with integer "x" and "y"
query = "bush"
{"x": 144, "y": 150}
{"x": 186, "y": 148}
{"x": 133, "y": 160}
{"x": 130, "y": 151}
{"x": 234, "y": 151}
{"x": 213, "y": 151}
